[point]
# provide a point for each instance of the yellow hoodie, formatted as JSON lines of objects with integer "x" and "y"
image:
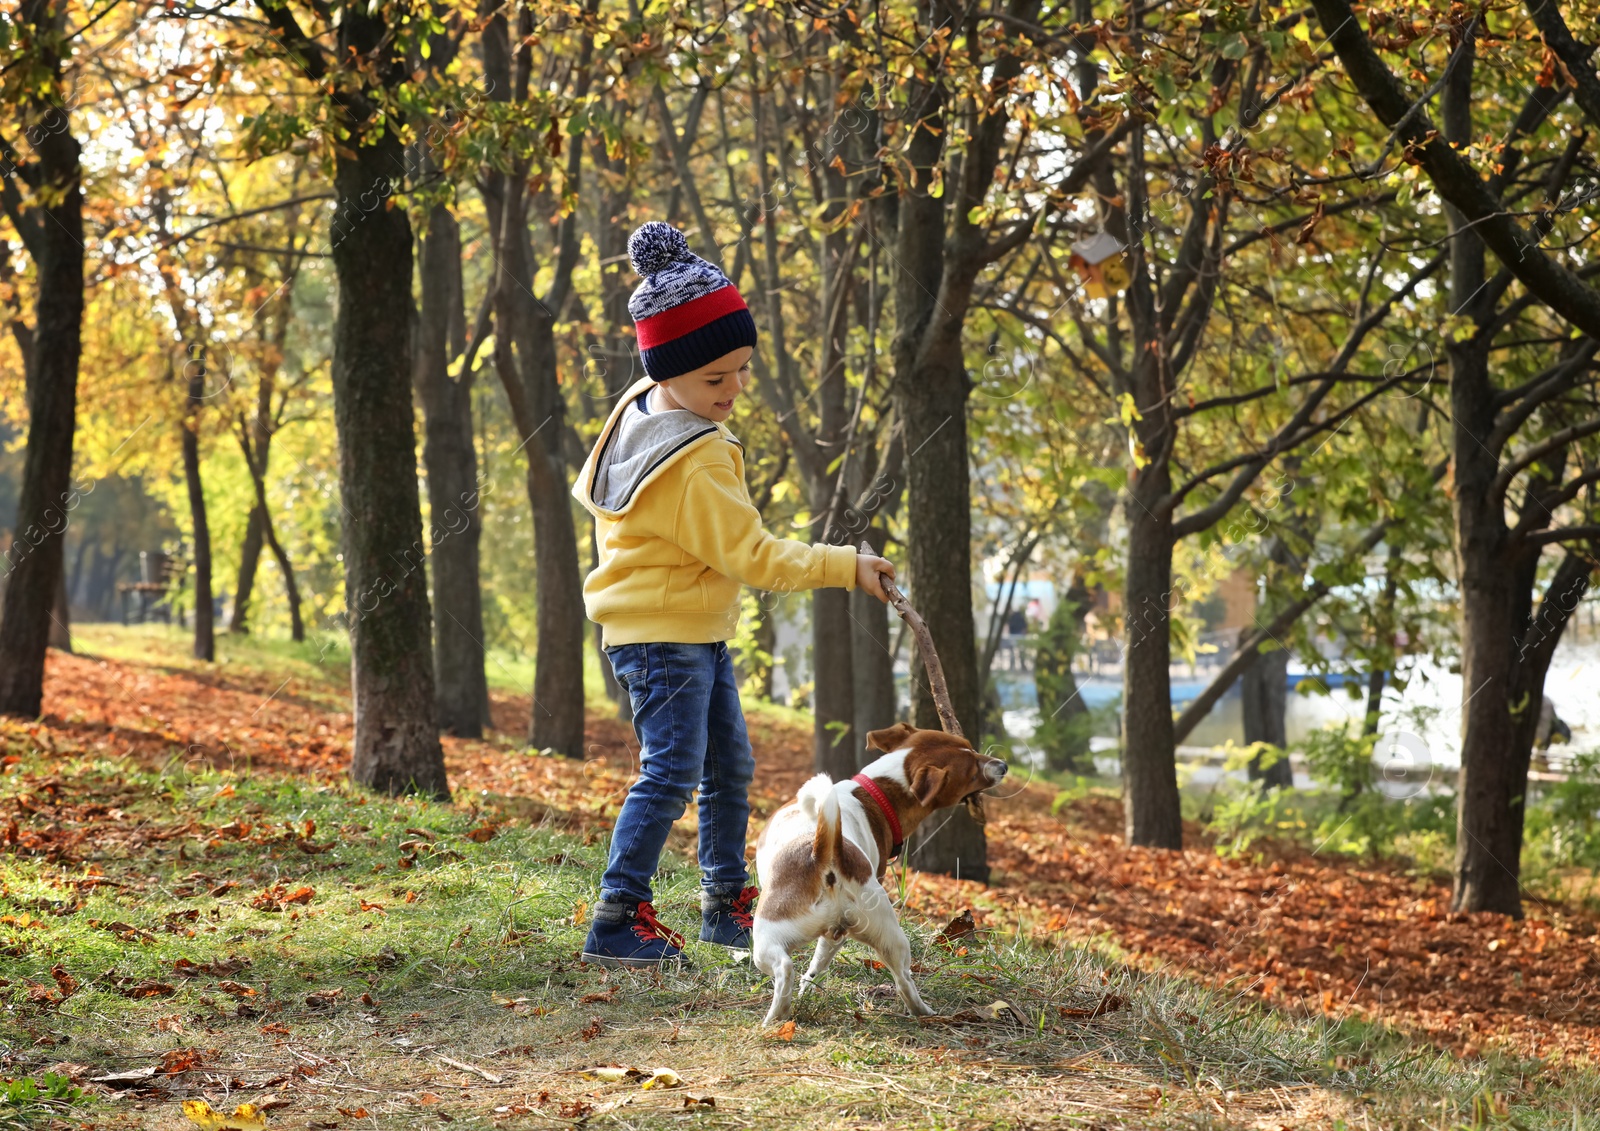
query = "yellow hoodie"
{"x": 681, "y": 542}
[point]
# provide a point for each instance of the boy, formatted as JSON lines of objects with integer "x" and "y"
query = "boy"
{"x": 677, "y": 536}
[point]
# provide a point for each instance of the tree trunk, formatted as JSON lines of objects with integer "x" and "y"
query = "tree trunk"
{"x": 75, "y": 578}
{"x": 871, "y": 660}
{"x": 930, "y": 389}
{"x": 396, "y": 747}
{"x": 256, "y": 464}
{"x": 453, "y": 500}
{"x": 834, "y": 742}
{"x": 833, "y": 689}
{"x": 249, "y": 559}
{"x": 1264, "y": 689}
{"x": 939, "y": 562}
{"x": 297, "y": 627}
{"x": 102, "y": 587}
{"x": 1151, "y": 806}
{"x": 61, "y": 618}
{"x": 1488, "y": 820}
{"x": 1488, "y": 833}
{"x": 205, "y": 645}
{"x": 529, "y": 376}
{"x": 558, "y": 665}
{"x": 525, "y": 358}
{"x": 258, "y": 529}
{"x": 1064, "y": 720}
{"x": 1378, "y": 676}
{"x": 617, "y": 367}
{"x": 46, "y": 497}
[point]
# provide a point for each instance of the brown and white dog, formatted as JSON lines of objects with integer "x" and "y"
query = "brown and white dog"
{"x": 822, "y": 857}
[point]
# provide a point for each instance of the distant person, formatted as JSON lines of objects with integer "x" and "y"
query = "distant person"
{"x": 1551, "y": 727}
{"x": 677, "y": 537}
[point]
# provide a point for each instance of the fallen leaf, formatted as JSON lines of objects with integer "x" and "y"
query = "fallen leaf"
{"x": 695, "y": 1099}
{"x": 277, "y": 897}
{"x": 427, "y": 1098}
{"x": 147, "y": 987}
{"x": 353, "y": 1113}
{"x": 662, "y": 1078}
{"x": 959, "y": 927}
{"x": 576, "y": 1109}
{"x": 324, "y": 999}
{"x": 784, "y": 1032}
{"x": 245, "y": 1117}
{"x": 994, "y": 1011}
{"x": 482, "y": 834}
{"x": 174, "y": 1061}
{"x": 68, "y": 984}
{"x": 131, "y": 1079}
{"x": 1110, "y": 1003}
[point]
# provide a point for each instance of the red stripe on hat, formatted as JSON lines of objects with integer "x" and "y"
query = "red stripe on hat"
{"x": 687, "y": 317}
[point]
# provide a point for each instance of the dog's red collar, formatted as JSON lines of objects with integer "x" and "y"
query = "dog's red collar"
{"x": 882, "y": 802}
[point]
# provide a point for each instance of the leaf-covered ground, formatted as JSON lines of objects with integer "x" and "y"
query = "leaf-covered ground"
{"x": 192, "y": 897}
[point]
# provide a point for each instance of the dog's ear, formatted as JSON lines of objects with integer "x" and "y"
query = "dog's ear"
{"x": 926, "y": 784}
{"x": 889, "y": 738}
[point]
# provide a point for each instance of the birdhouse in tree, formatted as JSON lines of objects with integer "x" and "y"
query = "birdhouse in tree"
{"x": 1099, "y": 263}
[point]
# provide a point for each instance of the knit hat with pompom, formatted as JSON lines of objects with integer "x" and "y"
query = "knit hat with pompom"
{"x": 686, "y": 313}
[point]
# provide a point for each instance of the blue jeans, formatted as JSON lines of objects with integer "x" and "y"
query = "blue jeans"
{"x": 691, "y": 734}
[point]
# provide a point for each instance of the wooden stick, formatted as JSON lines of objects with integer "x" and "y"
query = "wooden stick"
{"x": 930, "y": 658}
{"x": 465, "y": 1067}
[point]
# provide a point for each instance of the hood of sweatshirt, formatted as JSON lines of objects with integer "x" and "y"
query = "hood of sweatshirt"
{"x": 652, "y": 443}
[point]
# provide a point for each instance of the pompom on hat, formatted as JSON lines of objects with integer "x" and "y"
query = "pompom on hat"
{"x": 686, "y": 313}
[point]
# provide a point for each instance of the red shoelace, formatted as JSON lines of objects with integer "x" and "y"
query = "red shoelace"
{"x": 740, "y": 907}
{"x": 650, "y": 929}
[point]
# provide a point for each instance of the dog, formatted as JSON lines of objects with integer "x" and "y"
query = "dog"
{"x": 821, "y": 859}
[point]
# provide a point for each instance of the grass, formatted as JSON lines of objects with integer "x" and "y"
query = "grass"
{"x": 424, "y": 937}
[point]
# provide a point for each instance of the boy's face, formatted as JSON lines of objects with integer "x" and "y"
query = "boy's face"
{"x": 711, "y": 390}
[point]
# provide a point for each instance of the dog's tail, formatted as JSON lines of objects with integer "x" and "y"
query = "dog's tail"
{"x": 819, "y": 801}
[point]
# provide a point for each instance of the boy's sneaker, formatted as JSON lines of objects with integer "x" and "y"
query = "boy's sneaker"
{"x": 726, "y": 922}
{"x": 629, "y": 934}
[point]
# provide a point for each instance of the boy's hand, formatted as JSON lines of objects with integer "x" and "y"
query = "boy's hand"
{"x": 868, "y": 568}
